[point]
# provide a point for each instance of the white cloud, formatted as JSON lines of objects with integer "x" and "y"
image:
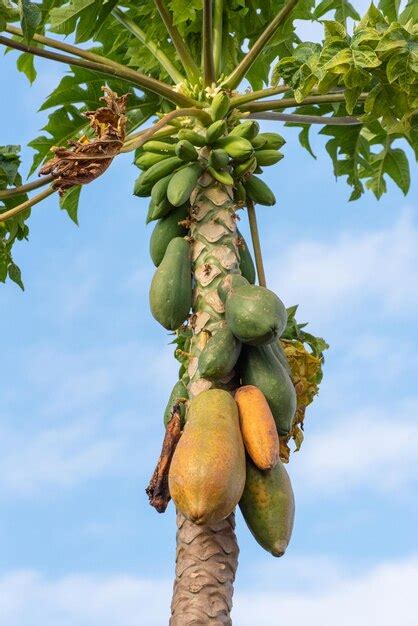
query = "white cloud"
{"x": 338, "y": 275}
{"x": 383, "y": 595}
{"x": 81, "y": 428}
{"x": 372, "y": 448}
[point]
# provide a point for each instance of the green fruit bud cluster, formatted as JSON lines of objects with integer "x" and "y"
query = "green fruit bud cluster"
{"x": 233, "y": 152}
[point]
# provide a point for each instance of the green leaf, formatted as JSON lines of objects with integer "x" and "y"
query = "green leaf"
{"x": 85, "y": 17}
{"x": 304, "y": 140}
{"x": 15, "y": 275}
{"x": 185, "y": 11}
{"x": 397, "y": 167}
{"x": 26, "y": 64}
{"x": 9, "y": 164}
{"x": 30, "y": 18}
{"x": 69, "y": 202}
{"x": 390, "y": 8}
{"x": 410, "y": 12}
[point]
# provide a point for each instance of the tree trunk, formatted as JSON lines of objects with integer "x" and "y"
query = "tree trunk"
{"x": 206, "y": 562}
{"x": 207, "y": 556}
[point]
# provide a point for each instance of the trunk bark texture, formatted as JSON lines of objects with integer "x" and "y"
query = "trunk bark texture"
{"x": 207, "y": 556}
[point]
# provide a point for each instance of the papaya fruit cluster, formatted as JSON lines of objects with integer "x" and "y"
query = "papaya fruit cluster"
{"x": 227, "y": 455}
{"x": 232, "y": 152}
{"x": 235, "y": 421}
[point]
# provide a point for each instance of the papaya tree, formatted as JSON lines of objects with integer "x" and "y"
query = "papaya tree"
{"x": 184, "y": 87}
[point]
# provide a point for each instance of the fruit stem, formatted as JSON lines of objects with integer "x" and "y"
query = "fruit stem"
{"x": 255, "y": 238}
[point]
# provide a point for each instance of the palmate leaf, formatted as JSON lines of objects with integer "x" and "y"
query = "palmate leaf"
{"x": 85, "y": 17}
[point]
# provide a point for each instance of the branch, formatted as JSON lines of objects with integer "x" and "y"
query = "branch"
{"x": 294, "y": 118}
{"x": 218, "y": 10}
{"x": 26, "y": 205}
{"x": 285, "y": 103}
{"x": 66, "y": 47}
{"x": 18, "y": 191}
{"x": 183, "y": 51}
{"x": 124, "y": 73}
{"x": 207, "y": 45}
{"x": 144, "y": 136}
{"x": 255, "y": 238}
{"x": 258, "y": 95}
{"x": 241, "y": 70}
{"x": 162, "y": 58}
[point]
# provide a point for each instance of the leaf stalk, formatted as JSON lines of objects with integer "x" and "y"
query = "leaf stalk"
{"x": 18, "y": 191}
{"x": 136, "y": 78}
{"x": 27, "y": 204}
{"x": 183, "y": 51}
{"x": 234, "y": 79}
{"x": 161, "y": 57}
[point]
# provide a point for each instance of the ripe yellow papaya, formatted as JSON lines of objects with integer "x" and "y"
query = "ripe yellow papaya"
{"x": 207, "y": 472}
{"x": 258, "y": 427}
{"x": 268, "y": 507}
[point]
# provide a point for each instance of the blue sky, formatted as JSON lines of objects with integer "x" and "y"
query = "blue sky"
{"x": 85, "y": 376}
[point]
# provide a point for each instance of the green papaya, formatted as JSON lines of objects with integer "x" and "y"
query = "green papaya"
{"x": 255, "y": 314}
{"x": 179, "y": 392}
{"x": 238, "y": 148}
{"x": 218, "y": 159}
{"x": 259, "y": 366}
{"x": 145, "y": 160}
{"x": 240, "y": 195}
{"x": 160, "y": 210}
{"x": 219, "y": 355}
{"x": 247, "y": 129}
{"x": 220, "y": 105}
{"x": 186, "y": 151}
{"x": 246, "y": 166}
{"x": 215, "y": 131}
{"x": 159, "y": 190}
{"x": 268, "y": 157}
{"x": 165, "y": 230}
{"x": 230, "y": 282}
{"x": 191, "y": 135}
{"x": 171, "y": 286}
{"x": 268, "y": 506}
{"x": 147, "y": 179}
{"x": 182, "y": 184}
{"x": 274, "y": 141}
{"x": 159, "y": 147}
{"x": 280, "y": 354}
{"x": 246, "y": 263}
{"x": 259, "y": 191}
{"x": 151, "y": 209}
{"x": 259, "y": 141}
{"x": 221, "y": 176}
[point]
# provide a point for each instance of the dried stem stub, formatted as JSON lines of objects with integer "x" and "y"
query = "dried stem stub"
{"x": 157, "y": 490}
